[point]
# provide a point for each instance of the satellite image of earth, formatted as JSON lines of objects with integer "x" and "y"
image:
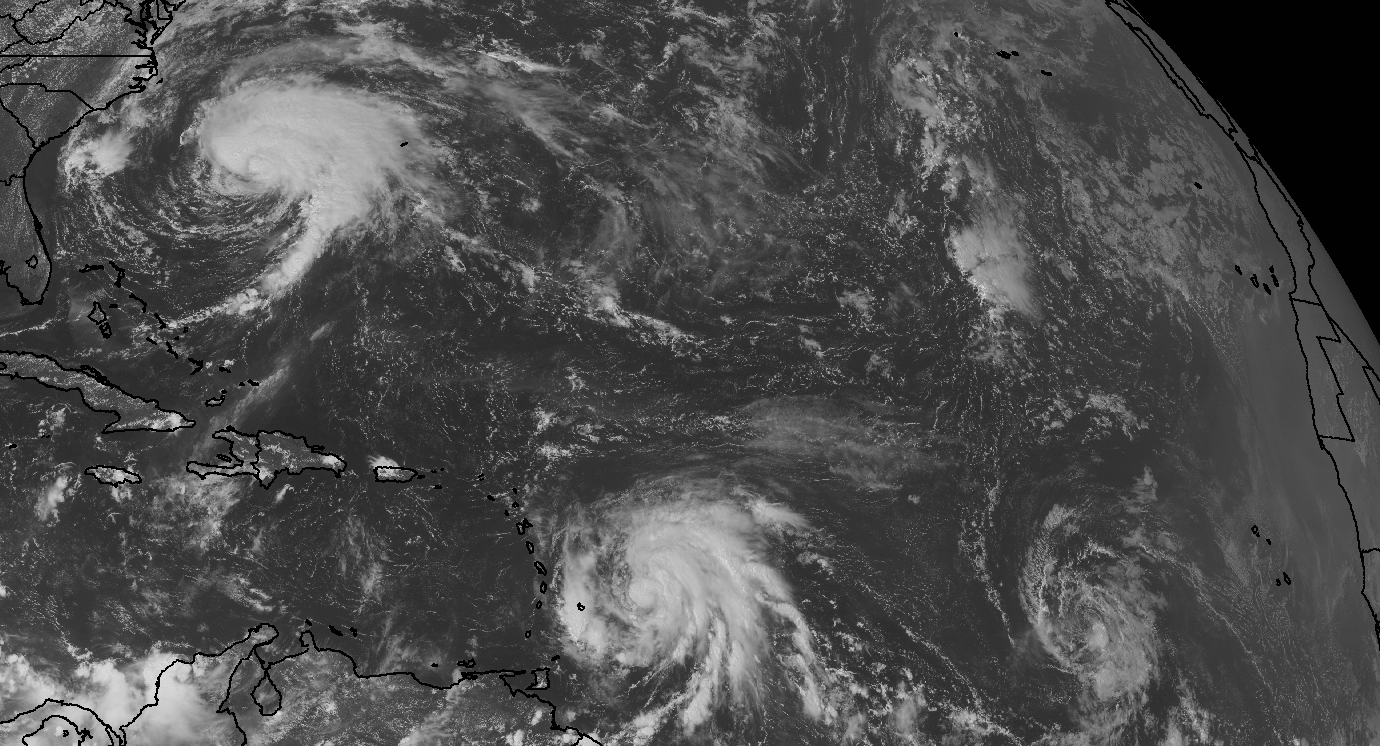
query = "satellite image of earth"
{"x": 639, "y": 372}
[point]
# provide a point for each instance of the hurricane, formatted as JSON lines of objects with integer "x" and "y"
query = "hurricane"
{"x": 662, "y": 372}
{"x": 672, "y": 589}
{"x": 334, "y": 151}
{"x": 281, "y": 163}
{"x": 1093, "y": 611}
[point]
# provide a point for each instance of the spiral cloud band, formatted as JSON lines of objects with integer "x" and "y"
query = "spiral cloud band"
{"x": 334, "y": 150}
{"x": 686, "y": 584}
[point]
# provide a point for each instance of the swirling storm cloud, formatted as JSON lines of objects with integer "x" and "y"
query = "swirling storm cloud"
{"x": 677, "y": 576}
{"x": 334, "y": 152}
{"x": 773, "y": 372}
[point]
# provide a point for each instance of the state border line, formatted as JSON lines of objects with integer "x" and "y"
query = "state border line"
{"x": 151, "y": 18}
{"x": 1255, "y": 161}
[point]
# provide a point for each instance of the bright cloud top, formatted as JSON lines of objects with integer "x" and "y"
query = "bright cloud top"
{"x": 183, "y": 712}
{"x": 683, "y": 580}
{"x": 102, "y": 155}
{"x": 993, "y": 256}
{"x": 335, "y": 150}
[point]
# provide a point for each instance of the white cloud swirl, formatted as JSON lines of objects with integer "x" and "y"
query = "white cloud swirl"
{"x": 336, "y": 151}
{"x": 677, "y": 579}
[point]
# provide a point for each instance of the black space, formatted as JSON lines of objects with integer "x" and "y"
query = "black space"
{"x": 1298, "y": 86}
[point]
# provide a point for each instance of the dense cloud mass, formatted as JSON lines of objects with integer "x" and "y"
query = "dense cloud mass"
{"x": 779, "y": 372}
{"x": 333, "y": 151}
{"x": 676, "y": 575}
